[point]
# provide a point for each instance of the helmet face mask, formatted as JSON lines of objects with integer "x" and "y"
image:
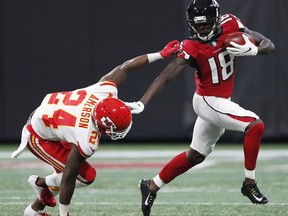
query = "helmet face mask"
{"x": 203, "y": 19}
{"x": 113, "y": 118}
{"x": 114, "y": 135}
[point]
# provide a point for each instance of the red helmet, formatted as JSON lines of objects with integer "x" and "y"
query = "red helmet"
{"x": 113, "y": 118}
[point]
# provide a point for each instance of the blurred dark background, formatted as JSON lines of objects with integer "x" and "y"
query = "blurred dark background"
{"x": 50, "y": 45}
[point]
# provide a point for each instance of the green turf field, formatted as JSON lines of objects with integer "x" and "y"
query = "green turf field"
{"x": 212, "y": 189}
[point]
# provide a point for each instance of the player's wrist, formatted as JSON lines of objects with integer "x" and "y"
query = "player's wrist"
{"x": 152, "y": 57}
{"x": 141, "y": 106}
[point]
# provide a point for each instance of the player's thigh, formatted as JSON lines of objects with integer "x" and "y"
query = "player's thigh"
{"x": 52, "y": 153}
{"x": 223, "y": 112}
{"x": 205, "y": 136}
{"x": 56, "y": 153}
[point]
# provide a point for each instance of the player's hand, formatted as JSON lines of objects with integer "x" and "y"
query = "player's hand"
{"x": 248, "y": 49}
{"x": 135, "y": 107}
{"x": 171, "y": 48}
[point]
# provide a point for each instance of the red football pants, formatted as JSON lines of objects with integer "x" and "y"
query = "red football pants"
{"x": 55, "y": 154}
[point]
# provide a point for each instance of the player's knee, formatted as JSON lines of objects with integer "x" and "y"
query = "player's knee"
{"x": 194, "y": 157}
{"x": 261, "y": 127}
{"x": 256, "y": 127}
{"x": 91, "y": 175}
{"x": 88, "y": 173}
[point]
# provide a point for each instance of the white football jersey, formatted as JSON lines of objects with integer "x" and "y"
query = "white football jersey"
{"x": 67, "y": 116}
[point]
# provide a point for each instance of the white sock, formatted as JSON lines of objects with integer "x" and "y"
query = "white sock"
{"x": 54, "y": 180}
{"x": 158, "y": 181}
{"x": 63, "y": 209}
{"x": 250, "y": 174}
{"x": 29, "y": 211}
{"x": 79, "y": 184}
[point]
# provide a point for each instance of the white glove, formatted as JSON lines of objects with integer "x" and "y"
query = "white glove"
{"x": 247, "y": 49}
{"x": 135, "y": 107}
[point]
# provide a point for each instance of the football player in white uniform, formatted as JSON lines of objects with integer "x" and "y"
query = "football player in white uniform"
{"x": 66, "y": 128}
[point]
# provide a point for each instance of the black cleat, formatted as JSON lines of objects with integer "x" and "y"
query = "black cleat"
{"x": 148, "y": 196}
{"x": 253, "y": 193}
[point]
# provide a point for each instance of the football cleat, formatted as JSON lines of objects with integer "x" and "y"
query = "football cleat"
{"x": 43, "y": 193}
{"x": 148, "y": 197}
{"x": 253, "y": 193}
{"x": 30, "y": 212}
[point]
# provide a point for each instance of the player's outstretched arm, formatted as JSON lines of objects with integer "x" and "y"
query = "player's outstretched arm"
{"x": 173, "y": 69}
{"x": 120, "y": 73}
{"x": 169, "y": 73}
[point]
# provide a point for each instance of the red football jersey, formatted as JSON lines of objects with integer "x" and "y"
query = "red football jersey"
{"x": 215, "y": 66}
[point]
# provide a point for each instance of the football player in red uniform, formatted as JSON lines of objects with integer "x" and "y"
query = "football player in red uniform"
{"x": 66, "y": 128}
{"x": 214, "y": 78}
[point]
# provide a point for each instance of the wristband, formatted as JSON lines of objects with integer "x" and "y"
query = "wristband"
{"x": 154, "y": 57}
{"x": 63, "y": 209}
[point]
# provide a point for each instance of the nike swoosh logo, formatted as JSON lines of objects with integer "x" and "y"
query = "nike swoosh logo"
{"x": 146, "y": 201}
{"x": 248, "y": 50}
{"x": 258, "y": 199}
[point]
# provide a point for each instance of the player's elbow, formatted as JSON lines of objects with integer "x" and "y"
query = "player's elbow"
{"x": 266, "y": 47}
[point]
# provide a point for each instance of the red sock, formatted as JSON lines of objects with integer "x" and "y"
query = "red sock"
{"x": 175, "y": 167}
{"x": 252, "y": 145}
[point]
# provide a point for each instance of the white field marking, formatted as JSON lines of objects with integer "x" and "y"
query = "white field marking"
{"x": 216, "y": 154}
{"x": 206, "y": 163}
{"x": 273, "y": 168}
{"x": 196, "y": 190}
{"x": 181, "y": 203}
{"x": 158, "y": 203}
{"x": 214, "y": 158}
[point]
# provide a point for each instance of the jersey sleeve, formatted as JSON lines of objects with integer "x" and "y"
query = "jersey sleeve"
{"x": 231, "y": 23}
{"x": 187, "y": 53}
{"x": 88, "y": 143}
{"x": 103, "y": 87}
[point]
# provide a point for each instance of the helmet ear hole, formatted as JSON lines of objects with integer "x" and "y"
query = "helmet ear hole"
{"x": 113, "y": 117}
